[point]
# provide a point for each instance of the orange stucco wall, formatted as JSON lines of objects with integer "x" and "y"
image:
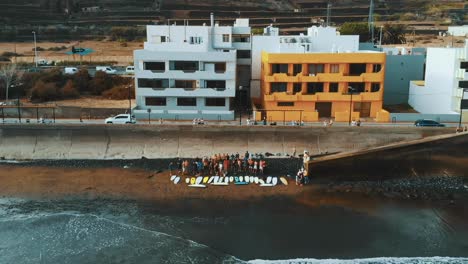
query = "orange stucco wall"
{"x": 334, "y": 68}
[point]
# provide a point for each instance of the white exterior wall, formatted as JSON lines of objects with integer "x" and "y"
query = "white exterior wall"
{"x": 204, "y": 44}
{"x": 440, "y": 94}
{"x": 458, "y": 31}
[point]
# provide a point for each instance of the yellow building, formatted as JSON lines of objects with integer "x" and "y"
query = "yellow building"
{"x": 310, "y": 86}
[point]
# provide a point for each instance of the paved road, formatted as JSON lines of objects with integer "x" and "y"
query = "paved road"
{"x": 232, "y": 123}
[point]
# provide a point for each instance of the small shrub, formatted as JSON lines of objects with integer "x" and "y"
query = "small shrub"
{"x": 38, "y": 49}
{"x": 9, "y": 54}
{"x": 42, "y": 92}
{"x": 119, "y": 92}
{"x": 69, "y": 90}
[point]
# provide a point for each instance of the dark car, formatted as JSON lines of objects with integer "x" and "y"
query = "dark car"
{"x": 428, "y": 123}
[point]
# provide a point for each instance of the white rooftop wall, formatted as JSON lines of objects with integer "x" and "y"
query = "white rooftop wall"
{"x": 459, "y": 31}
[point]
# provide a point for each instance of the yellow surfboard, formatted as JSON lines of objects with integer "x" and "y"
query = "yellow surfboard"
{"x": 192, "y": 180}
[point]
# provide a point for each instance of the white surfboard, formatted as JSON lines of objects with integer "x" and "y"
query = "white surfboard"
{"x": 247, "y": 179}
{"x": 241, "y": 178}
{"x": 226, "y": 180}
{"x": 268, "y": 181}
{"x": 261, "y": 181}
{"x": 220, "y": 183}
{"x": 284, "y": 181}
{"x": 256, "y": 180}
{"x": 198, "y": 180}
{"x": 216, "y": 179}
{"x": 251, "y": 178}
{"x": 231, "y": 179}
{"x": 173, "y": 177}
{"x": 197, "y": 185}
{"x": 187, "y": 180}
{"x": 211, "y": 179}
{"x": 274, "y": 181}
{"x": 266, "y": 185}
{"x": 177, "y": 180}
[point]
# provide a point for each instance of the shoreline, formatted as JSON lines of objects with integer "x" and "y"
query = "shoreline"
{"x": 148, "y": 181}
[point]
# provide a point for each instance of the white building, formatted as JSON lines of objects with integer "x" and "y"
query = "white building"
{"x": 458, "y": 31}
{"x": 318, "y": 39}
{"x": 187, "y": 72}
{"x": 446, "y": 72}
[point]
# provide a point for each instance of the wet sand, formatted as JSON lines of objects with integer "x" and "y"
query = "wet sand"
{"x": 119, "y": 183}
{"x": 50, "y": 182}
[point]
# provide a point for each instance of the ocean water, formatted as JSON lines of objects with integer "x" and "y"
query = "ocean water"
{"x": 273, "y": 231}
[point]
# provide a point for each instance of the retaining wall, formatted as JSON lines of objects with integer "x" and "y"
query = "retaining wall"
{"x": 133, "y": 142}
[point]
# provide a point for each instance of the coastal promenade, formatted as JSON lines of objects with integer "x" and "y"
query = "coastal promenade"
{"x": 187, "y": 141}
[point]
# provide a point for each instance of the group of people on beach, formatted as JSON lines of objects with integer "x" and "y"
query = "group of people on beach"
{"x": 221, "y": 164}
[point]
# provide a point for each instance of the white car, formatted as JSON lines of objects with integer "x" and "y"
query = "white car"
{"x": 106, "y": 69}
{"x": 130, "y": 70}
{"x": 70, "y": 70}
{"x": 121, "y": 119}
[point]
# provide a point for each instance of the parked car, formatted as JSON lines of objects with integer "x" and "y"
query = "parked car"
{"x": 106, "y": 69}
{"x": 70, "y": 70}
{"x": 121, "y": 119}
{"x": 428, "y": 123}
{"x": 130, "y": 70}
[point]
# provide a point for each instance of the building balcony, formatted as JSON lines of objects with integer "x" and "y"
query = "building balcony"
{"x": 186, "y": 92}
{"x": 324, "y": 77}
{"x": 195, "y": 75}
{"x": 323, "y": 97}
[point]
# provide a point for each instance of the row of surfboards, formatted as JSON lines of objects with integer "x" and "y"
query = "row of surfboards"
{"x": 201, "y": 182}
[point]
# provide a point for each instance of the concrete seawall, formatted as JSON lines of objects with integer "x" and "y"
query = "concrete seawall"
{"x": 134, "y": 142}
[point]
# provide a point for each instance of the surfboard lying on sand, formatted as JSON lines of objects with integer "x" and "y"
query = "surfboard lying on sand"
{"x": 256, "y": 180}
{"x": 177, "y": 180}
{"x": 197, "y": 185}
{"x": 187, "y": 180}
{"x": 266, "y": 185}
{"x": 211, "y": 179}
{"x": 284, "y": 181}
{"x": 221, "y": 183}
{"x": 261, "y": 181}
{"x": 268, "y": 180}
{"x": 251, "y": 178}
{"x": 198, "y": 180}
{"x": 205, "y": 179}
{"x": 231, "y": 179}
{"x": 247, "y": 179}
{"x": 192, "y": 180}
{"x": 274, "y": 181}
{"x": 173, "y": 177}
{"x": 241, "y": 183}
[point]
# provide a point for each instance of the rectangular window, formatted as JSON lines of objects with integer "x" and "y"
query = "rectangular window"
{"x": 215, "y": 102}
{"x": 195, "y": 40}
{"x": 357, "y": 87}
{"x": 153, "y": 83}
{"x": 225, "y": 37}
{"x": 243, "y": 54}
{"x": 376, "y": 67}
{"x": 279, "y": 87}
{"x": 464, "y": 65}
{"x": 297, "y": 88}
{"x": 216, "y": 84}
{"x": 279, "y": 68}
{"x": 333, "y": 88}
{"x": 314, "y": 87}
{"x": 155, "y": 66}
{"x": 220, "y": 67}
{"x": 186, "y": 101}
{"x": 375, "y": 87}
{"x": 334, "y": 68}
{"x": 242, "y": 38}
{"x": 285, "y": 104}
{"x": 315, "y": 69}
{"x": 186, "y": 84}
{"x": 356, "y": 69}
{"x": 297, "y": 68}
{"x": 463, "y": 84}
{"x": 155, "y": 101}
{"x": 186, "y": 66}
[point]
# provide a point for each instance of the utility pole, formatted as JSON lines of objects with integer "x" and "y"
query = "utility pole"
{"x": 35, "y": 48}
{"x": 371, "y": 20}
{"x": 329, "y": 6}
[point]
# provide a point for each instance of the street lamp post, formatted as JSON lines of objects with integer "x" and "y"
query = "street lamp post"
{"x": 380, "y": 38}
{"x": 129, "y": 101}
{"x": 350, "y": 90}
{"x": 35, "y": 48}
{"x": 461, "y": 106}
